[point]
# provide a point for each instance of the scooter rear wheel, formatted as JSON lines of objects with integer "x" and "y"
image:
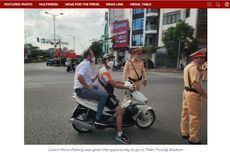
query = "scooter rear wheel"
{"x": 145, "y": 120}
{"x": 81, "y": 116}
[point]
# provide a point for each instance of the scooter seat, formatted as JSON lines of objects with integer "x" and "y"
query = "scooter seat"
{"x": 86, "y": 100}
{"x": 92, "y": 104}
{"x": 75, "y": 96}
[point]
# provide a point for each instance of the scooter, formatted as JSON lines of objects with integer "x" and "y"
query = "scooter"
{"x": 117, "y": 67}
{"x": 136, "y": 112}
{"x": 69, "y": 67}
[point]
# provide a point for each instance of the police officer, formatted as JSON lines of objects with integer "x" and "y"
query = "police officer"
{"x": 192, "y": 94}
{"x": 134, "y": 69}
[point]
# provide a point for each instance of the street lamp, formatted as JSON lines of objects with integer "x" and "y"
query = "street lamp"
{"x": 54, "y": 18}
{"x": 74, "y": 37}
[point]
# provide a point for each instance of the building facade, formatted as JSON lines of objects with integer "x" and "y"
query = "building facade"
{"x": 146, "y": 28}
{"x": 143, "y": 28}
{"x": 119, "y": 29}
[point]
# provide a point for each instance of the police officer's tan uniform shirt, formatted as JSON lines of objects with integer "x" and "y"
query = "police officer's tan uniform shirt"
{"x": 194, "y": 73}
{"x": 130, "y": 72}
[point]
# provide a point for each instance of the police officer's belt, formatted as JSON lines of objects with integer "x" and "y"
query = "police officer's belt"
{"x": 139, "y": 77}
{"x": 134, "y": 80}
{"x": 191, "y": 89}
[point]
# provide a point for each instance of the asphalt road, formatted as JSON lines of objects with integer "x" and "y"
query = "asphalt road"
{"x": 48, "y": 107}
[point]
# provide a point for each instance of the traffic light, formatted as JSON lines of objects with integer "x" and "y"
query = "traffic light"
{"x": 37, "y": 39}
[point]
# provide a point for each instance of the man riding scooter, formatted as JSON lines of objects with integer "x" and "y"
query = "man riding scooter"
{"x": 83, "y": 85}
{"x": 106, "y": 83}
{"x": 70, "y": 65}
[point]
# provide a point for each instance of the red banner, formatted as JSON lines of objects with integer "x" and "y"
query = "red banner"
{"x": 114, "y": 4}
{"x": 120, "y": 31}
{"x": 68, "y": 54}
{"x": 72, "y": 55}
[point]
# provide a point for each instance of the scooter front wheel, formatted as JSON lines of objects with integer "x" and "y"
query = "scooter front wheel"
{"x": 145, "y": 120}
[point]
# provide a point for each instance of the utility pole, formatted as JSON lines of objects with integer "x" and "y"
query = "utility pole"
{"x": 54, "y": 20}
{"x": 178, "y": 56}
{"x": 74, "y": 38}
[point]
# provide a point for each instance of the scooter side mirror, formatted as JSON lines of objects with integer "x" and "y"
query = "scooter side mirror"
{"x": 130, "y": 84}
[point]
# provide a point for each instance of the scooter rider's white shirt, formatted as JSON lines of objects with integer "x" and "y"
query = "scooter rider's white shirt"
{"x": 84, "y": 69}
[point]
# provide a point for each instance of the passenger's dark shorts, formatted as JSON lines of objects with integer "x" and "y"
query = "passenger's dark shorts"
{"x": 112, "y": 102}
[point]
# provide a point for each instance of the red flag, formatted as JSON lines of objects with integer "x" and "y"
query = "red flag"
{"x": 56, "y": 53}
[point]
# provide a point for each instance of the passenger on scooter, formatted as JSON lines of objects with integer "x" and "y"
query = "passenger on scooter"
{"x": 106, "y": 83}
{"x": 83, "y": 80}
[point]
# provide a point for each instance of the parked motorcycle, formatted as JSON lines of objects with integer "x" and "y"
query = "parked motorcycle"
{"x": 117, "y": 66}
{"x": 136, "y": 112}
{"x": 70, "y": 67}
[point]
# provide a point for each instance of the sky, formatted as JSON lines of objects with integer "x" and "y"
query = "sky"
{"x": 84, "y": 24}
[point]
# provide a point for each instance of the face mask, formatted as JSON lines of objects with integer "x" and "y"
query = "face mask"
{"x": 110, "y": 64}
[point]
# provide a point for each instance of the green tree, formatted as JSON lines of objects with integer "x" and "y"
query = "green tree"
{"x": 180, "y": 39}
{"x": 148, "y": 50}
{"x": 35, "y": 53}
{"x": 96, "y": 46}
